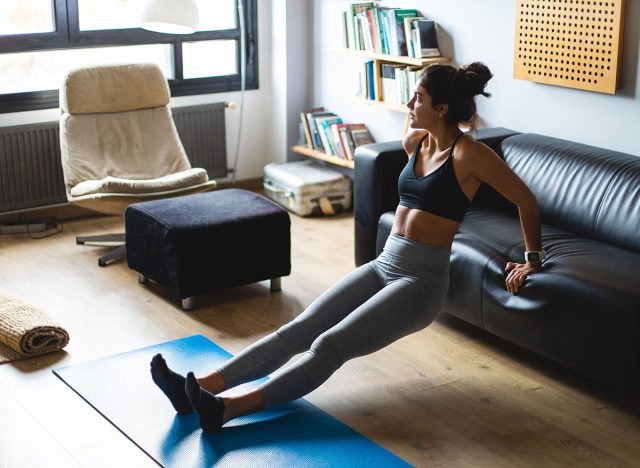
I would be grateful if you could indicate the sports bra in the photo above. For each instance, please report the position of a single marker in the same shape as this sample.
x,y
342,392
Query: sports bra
x,y
438,192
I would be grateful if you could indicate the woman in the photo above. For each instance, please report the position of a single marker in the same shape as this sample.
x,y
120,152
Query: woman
x,y
400,292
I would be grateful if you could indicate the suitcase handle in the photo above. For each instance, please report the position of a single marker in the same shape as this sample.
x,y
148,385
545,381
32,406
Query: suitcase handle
x,y
287,193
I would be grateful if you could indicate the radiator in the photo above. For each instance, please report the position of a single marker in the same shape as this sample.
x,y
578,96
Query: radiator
x,y
203,135
30,170
31,173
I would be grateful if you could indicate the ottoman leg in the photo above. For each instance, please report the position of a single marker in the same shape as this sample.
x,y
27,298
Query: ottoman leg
x,y
276,284
142,279
188,303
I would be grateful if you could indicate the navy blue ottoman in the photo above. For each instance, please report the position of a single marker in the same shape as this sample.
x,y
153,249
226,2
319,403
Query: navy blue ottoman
x,y
199,243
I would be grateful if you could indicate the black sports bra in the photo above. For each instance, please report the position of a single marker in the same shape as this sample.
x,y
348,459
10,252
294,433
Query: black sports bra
x,y
438,193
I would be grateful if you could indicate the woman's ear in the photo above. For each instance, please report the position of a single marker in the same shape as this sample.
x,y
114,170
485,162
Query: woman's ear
x,y
443,109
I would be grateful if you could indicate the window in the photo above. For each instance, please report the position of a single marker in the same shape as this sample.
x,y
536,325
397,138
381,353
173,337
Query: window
x,y
40,40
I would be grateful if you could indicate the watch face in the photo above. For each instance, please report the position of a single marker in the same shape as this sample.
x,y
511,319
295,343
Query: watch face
x,y
533,257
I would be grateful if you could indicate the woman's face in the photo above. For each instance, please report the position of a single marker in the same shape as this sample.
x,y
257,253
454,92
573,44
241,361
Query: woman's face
x,y
421,112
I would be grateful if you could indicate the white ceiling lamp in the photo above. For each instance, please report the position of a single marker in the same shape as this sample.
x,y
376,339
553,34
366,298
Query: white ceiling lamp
x,y
169,16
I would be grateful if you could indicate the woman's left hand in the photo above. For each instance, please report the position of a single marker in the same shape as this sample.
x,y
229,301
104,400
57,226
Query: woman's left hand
x,y
518,272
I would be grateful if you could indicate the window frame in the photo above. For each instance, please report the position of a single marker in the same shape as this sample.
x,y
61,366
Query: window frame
x,y
69,36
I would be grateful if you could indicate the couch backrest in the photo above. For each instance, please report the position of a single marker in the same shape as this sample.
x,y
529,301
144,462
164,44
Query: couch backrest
x,y
587,190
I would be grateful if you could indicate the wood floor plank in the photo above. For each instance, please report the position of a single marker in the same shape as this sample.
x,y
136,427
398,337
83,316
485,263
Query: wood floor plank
x,y
447,396
24,443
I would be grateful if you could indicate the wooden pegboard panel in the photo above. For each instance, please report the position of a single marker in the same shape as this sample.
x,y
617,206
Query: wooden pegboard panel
x,y
574,43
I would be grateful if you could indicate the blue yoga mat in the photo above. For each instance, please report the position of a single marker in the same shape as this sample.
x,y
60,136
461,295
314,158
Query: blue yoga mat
x,y
293,435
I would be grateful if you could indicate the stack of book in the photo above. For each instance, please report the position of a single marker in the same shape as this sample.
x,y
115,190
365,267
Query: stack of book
x,y
324,131
393,31
397,82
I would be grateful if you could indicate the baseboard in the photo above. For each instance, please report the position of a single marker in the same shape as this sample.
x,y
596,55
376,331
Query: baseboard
x,y
254,184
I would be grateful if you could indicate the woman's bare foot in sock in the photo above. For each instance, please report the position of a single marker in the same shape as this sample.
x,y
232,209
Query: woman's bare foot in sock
x,y
171,383
208,407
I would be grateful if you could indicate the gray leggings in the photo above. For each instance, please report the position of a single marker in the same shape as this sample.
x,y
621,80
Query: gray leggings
x,y
400,292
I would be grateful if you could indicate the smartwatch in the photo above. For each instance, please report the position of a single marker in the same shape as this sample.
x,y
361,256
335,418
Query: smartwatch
x,y
535,255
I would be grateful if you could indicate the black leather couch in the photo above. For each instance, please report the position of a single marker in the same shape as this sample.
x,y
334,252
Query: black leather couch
x,y
583,309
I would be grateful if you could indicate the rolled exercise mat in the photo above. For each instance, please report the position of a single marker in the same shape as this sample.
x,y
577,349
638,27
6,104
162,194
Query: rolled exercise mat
x,y
296,434
27,332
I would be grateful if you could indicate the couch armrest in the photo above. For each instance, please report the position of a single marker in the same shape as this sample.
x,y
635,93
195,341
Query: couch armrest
x,y
377,168
492,137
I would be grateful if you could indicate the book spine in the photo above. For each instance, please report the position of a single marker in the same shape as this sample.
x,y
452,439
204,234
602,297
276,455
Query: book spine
x,y
307,131
345,30
408,36
350,145
384,21
356,32
378,30
315,135
335,138
371,80
393,33
372,29
350,33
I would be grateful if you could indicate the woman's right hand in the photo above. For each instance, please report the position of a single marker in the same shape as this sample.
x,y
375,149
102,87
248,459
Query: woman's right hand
x,y
518,273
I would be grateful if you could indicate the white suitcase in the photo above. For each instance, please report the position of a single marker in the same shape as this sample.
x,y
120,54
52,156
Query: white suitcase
x,y
306,188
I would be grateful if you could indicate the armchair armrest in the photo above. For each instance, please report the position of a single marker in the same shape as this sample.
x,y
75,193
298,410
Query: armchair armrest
x,y
376,171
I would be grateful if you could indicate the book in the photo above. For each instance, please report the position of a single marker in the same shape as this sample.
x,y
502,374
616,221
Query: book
x,y
389,84
374,29
426,42
345,30
347,141
353,23
313,128
323,128
371,82
410,35
305,128
387,30
360,135
334,129
305,125
399,16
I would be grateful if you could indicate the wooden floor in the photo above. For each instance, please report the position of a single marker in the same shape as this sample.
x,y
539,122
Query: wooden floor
x,y
448,396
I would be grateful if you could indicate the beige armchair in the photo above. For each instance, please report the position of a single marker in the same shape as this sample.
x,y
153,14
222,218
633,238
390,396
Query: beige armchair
x,y
119,144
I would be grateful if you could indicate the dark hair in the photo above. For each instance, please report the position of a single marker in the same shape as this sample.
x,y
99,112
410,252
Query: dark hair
x,y
456,87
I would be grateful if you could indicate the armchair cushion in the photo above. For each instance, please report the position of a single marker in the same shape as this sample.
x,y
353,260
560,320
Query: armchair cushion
x,y
116,88
183,179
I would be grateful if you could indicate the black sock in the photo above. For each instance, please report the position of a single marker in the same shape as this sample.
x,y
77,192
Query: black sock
x,y
208,407
171,384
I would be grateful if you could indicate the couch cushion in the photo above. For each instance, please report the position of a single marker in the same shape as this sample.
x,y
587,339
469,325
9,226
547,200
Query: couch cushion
x,y
587,190
582,310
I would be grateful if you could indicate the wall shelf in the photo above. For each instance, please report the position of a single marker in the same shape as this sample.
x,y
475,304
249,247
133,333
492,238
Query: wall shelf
x,y
421,62
382,104
322,156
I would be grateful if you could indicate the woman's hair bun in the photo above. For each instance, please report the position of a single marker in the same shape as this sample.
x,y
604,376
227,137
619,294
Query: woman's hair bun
x,y
474,78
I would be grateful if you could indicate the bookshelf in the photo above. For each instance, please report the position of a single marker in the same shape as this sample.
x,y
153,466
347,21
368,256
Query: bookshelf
x,y
322,156
382,104
420,62
378,58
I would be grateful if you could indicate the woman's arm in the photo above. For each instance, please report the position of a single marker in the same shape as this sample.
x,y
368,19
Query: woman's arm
x,y
487,167
411,139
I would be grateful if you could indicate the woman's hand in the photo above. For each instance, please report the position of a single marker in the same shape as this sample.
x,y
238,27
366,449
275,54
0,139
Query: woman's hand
x,y
518,272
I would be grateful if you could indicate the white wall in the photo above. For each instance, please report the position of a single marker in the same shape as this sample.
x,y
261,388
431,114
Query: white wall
x,y
257,147
473,30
